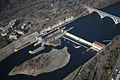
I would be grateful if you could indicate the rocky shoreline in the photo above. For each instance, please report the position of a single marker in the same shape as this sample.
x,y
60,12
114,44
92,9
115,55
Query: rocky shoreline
x,y
45,62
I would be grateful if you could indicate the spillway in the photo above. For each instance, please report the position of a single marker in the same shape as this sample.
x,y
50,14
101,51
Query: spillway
x,y
78,39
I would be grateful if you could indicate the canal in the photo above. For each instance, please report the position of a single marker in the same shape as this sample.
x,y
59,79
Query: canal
x,y
90,27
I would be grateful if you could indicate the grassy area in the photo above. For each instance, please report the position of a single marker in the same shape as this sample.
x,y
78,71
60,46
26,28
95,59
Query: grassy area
x,y
91,75
111,61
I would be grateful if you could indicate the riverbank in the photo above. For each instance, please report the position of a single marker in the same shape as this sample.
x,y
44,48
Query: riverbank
x,y
94,68
43,63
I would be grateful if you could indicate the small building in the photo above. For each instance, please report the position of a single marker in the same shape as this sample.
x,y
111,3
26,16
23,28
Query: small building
x,y
3,33
13,36
12,23
47,18
1,29
97,46
23,26
20,32
97,43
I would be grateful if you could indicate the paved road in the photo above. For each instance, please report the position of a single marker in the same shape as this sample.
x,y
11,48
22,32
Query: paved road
x,y
9,49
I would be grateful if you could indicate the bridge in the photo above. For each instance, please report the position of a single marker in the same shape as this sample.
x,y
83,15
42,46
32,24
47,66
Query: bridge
x,y
102,14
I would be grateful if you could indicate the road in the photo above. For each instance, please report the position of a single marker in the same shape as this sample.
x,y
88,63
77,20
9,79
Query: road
x,y
9,49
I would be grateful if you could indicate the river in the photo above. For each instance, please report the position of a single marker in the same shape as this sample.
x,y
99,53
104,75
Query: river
x,y
90,27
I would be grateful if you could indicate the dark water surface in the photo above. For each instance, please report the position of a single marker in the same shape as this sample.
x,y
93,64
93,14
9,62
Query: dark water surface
x,y
91,28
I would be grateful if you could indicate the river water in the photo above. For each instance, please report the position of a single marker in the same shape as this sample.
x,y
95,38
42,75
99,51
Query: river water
x,y
91,28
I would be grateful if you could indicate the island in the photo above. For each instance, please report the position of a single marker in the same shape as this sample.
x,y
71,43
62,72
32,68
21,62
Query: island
x,y
43,63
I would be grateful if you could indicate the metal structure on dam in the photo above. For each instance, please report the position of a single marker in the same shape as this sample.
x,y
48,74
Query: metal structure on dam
x,y
103,14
